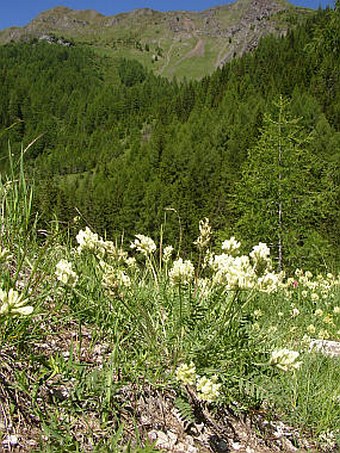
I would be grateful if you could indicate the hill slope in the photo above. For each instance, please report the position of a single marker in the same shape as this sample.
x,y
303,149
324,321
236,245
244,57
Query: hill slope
x,y
175,43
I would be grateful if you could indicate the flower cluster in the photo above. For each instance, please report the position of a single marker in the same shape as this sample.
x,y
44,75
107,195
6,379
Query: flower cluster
x,y
285,359
244,272
114,279
143,244
310,287
13,303
90,241
65,273
233,272
231,246
186,374
260,256
182,272
270,282
207,388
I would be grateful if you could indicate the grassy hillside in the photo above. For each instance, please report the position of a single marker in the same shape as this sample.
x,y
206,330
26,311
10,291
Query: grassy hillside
x,y
181,44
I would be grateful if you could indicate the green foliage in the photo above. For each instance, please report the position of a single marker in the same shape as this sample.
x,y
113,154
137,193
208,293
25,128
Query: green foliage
x,y
131,72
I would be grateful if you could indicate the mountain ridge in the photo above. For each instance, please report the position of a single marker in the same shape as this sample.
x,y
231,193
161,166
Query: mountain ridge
x,y
173,43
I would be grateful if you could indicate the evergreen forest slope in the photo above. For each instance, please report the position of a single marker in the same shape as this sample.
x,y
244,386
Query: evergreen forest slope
x,y
254,146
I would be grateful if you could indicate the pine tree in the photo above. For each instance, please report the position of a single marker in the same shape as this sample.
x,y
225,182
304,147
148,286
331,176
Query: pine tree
x,y
284,195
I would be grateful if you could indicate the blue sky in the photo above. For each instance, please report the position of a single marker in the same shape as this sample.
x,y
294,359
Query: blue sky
x,y
20,12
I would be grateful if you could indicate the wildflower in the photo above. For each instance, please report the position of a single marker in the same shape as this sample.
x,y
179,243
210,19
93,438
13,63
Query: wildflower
x,y
336,310
186,374
328,320
256,327
311,329
298,272
258,313
114,279
13,303
167,252
205,234
318,312
285,359
261,258
88,240
5,255
260,252
304,294
113,251
143,244
208,389
231,246
65,274
269,283
233,272
295,312
315,297
182,272
323,334
131,262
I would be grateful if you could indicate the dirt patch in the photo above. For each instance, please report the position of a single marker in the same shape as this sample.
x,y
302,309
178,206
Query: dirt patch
x,y
197,51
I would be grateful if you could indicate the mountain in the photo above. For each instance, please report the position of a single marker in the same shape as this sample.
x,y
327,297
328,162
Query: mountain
x,y
175,43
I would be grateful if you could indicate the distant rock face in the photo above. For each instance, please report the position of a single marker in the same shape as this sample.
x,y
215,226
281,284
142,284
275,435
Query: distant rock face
x,y
171,38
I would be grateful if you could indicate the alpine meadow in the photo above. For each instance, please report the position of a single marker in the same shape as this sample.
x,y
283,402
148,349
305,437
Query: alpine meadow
x,y
169,231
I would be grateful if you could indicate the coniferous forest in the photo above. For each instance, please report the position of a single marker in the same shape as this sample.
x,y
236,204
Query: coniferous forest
x,y
254,147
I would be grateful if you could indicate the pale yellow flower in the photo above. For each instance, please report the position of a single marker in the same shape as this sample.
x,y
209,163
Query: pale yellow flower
x,y
208,389
65,274
182,272
311,329
167,252
231,246
285,359
186,374
13,303
205,234
143,244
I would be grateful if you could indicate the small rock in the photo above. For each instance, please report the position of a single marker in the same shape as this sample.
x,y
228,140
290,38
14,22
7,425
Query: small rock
x,y
236,446
181,448
172,437
152,435
162,440
10,440
326,347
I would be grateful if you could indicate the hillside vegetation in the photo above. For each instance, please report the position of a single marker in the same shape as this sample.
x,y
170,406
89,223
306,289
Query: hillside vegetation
x,y
169,251
130,346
